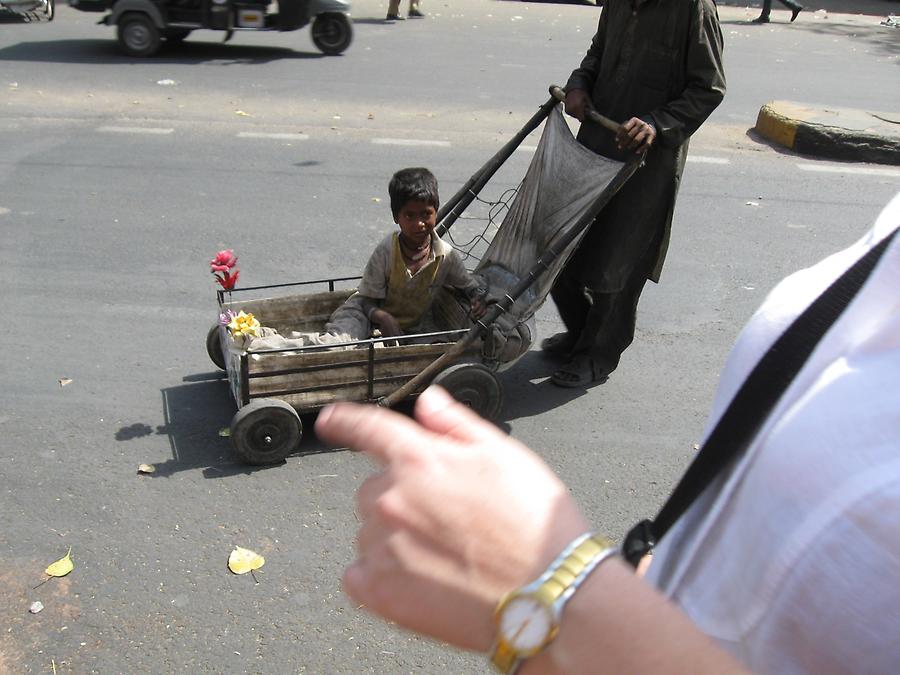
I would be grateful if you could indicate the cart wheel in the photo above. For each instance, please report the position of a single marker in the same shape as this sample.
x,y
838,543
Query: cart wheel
x,y
176,35
332,32
138,35
50,10
214,347
475,386
265,431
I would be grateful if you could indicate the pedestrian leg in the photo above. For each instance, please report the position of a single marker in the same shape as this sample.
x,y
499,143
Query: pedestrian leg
x,y
414,11
393,13
608,331
795,8
570,297
764,15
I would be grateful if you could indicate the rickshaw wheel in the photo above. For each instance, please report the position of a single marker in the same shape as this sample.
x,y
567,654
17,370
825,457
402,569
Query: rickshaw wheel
x,y
50,10
475,386
214,347
332,32
138,35
265,431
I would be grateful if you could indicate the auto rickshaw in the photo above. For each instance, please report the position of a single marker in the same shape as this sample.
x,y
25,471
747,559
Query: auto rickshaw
x,y
31,10
143,25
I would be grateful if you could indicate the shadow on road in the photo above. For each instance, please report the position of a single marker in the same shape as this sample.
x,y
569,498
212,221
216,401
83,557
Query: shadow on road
x,y
105,51
195,413
882,38
525,398
869,7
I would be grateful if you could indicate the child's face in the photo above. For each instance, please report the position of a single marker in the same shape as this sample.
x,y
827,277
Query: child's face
x,y
416,220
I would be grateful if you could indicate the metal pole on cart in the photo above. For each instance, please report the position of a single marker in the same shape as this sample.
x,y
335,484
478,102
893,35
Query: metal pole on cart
x,y
506,303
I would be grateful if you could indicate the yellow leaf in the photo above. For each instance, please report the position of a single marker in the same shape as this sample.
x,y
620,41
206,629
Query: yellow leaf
x,y
244,560
146,468
62,566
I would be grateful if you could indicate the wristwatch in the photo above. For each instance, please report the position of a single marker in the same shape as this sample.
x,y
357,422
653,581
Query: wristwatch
x,y
528,618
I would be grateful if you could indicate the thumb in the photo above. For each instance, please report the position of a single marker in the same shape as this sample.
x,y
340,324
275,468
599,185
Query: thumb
x,y
438,412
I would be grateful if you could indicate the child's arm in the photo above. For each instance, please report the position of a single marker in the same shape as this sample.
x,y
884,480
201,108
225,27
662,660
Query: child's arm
x,y
385,322
474,287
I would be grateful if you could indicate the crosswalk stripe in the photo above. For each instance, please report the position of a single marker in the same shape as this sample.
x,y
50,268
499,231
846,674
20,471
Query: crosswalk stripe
x,y
704,159
135,130
410,141
858,170
274,136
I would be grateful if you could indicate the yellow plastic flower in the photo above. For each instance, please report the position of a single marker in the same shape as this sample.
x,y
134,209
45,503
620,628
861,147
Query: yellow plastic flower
x,y
244,325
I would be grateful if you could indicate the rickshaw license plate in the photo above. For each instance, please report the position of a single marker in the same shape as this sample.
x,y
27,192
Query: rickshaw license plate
x,y
250,18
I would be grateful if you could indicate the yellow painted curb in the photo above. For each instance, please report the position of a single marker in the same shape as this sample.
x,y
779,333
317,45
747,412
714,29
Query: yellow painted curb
x,y
776,127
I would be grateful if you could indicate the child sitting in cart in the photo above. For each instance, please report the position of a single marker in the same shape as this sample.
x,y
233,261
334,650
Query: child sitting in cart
x,y
402,275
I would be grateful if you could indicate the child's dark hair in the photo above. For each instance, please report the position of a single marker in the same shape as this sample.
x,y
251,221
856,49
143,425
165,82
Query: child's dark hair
x,y
413,184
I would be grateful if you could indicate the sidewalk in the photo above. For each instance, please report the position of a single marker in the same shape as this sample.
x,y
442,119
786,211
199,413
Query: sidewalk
x,y
832,133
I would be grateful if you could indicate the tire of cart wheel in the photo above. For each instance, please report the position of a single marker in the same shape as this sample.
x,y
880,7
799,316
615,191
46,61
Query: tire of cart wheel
x,y
265,431
332,33
475,386
138,35
214,347
50,10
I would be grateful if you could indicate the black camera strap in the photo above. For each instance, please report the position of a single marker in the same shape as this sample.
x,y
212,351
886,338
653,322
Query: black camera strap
x,y
754,401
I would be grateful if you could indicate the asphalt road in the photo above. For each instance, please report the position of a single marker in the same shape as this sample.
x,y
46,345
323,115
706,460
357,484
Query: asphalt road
x,y
120,178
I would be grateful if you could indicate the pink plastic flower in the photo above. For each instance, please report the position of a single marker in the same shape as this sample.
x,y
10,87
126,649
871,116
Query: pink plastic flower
x,y
223,261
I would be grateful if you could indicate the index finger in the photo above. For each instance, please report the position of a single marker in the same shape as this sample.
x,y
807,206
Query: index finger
x,y
382,434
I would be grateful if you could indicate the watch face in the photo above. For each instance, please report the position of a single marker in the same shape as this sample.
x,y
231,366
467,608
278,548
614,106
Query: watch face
x,y
525,623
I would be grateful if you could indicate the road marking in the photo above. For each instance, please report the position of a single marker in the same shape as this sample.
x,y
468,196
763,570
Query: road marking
x,y
858,170
410,141
704,159
278,137
135,130
527,148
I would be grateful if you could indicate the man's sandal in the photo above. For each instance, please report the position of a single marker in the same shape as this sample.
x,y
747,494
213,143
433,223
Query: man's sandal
x,y
558,345
579,372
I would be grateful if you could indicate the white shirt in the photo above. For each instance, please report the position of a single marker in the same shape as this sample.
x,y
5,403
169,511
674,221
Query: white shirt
x,y
791,561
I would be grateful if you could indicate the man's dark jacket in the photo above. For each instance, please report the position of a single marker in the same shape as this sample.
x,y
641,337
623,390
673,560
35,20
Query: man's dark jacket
x,y
661,61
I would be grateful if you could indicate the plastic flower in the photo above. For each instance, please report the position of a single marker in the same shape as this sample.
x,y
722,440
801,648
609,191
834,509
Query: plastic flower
x,y
224,270
244,325
226,317
228,279
223,261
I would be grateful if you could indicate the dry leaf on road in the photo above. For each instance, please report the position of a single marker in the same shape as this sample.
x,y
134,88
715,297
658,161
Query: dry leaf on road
x,y
243,560
62,566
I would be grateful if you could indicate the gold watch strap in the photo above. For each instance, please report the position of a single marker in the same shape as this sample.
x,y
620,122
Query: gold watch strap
x,y
557,580
553,589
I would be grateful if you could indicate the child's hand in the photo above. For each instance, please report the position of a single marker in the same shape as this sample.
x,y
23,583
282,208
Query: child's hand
x,y
477,308
387,323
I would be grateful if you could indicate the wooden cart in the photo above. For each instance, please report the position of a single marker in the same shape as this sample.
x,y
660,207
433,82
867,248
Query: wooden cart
x,y
520,263
272,388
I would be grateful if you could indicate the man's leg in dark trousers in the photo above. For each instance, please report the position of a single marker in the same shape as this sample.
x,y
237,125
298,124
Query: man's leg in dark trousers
x,y
609,325
568,295
603,322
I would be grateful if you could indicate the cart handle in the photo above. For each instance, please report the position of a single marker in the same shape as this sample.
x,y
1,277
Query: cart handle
x,y
560,95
